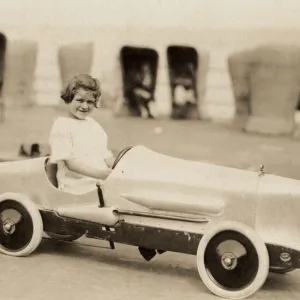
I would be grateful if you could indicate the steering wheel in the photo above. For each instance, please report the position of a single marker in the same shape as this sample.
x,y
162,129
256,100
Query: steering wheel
x,y
120,155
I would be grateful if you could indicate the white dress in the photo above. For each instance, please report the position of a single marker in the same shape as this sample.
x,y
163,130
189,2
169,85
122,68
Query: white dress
x,y
84,140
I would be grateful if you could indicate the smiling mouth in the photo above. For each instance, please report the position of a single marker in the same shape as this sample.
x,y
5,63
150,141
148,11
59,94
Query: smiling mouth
x,y
83,111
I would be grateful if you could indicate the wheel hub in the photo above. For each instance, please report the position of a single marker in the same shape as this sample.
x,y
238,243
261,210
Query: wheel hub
x,y
9,227
229,261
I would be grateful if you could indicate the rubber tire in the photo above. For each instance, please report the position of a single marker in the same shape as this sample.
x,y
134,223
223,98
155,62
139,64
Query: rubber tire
x,y
263,269
63,237
36,220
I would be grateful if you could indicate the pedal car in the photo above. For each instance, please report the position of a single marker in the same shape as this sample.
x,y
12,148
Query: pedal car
x,y
239,224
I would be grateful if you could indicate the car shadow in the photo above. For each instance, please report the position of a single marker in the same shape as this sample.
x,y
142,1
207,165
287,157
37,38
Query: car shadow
x,y
167,264
118,258
281,283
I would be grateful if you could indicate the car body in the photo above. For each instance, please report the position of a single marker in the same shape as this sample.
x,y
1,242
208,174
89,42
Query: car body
x,y
155,201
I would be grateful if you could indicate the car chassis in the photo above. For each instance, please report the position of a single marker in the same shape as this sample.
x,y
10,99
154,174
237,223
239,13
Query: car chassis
x,y
281,258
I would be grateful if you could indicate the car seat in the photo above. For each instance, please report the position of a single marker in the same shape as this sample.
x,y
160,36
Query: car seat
x,y
51,171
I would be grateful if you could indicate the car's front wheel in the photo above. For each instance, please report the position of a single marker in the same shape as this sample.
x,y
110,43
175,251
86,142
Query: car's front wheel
x,y
232,260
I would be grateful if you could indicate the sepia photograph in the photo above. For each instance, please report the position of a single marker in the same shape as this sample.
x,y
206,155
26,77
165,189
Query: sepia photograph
x,y
154,140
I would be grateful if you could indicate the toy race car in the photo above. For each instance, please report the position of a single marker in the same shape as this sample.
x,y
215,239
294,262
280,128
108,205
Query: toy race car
x,y
239,224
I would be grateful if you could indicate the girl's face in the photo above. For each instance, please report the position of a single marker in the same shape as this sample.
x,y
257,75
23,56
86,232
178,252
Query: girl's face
x,y
82,105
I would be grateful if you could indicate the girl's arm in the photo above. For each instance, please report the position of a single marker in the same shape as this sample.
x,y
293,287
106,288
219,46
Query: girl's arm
x,y
79,167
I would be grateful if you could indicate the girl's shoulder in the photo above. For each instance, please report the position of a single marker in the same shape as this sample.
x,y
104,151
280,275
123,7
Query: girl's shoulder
x,y
96,125
93,122
62,124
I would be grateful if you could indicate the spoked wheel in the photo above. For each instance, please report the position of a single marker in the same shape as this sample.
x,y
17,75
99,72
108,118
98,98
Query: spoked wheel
x,y
21,226
281,270
64,237
232,260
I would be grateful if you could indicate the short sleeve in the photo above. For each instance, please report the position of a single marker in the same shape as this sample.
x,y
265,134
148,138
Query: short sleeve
x,y
60,141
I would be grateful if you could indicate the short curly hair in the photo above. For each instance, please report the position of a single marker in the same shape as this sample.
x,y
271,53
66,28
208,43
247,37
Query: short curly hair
x,y
83,81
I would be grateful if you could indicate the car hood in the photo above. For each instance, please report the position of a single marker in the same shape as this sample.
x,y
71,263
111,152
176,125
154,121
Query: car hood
x,y
277,213
143,164
150,182
147,181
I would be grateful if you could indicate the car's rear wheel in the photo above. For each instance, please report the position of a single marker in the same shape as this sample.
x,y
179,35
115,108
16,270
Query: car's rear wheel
x,y
64,237
232,260
21,226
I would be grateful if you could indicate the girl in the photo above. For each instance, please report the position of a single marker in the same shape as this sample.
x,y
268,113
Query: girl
x,y
78,143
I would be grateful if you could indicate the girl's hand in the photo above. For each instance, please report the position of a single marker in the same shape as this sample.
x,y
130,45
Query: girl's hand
x,y
110,161
107,172
103,174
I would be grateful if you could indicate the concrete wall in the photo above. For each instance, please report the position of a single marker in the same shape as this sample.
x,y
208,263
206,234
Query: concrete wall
x,y
110,26
218,103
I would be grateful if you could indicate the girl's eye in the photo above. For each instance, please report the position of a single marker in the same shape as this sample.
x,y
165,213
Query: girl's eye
x,y
80,100
91,103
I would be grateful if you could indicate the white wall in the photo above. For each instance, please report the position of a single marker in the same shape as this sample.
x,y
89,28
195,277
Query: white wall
x,y
217,26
